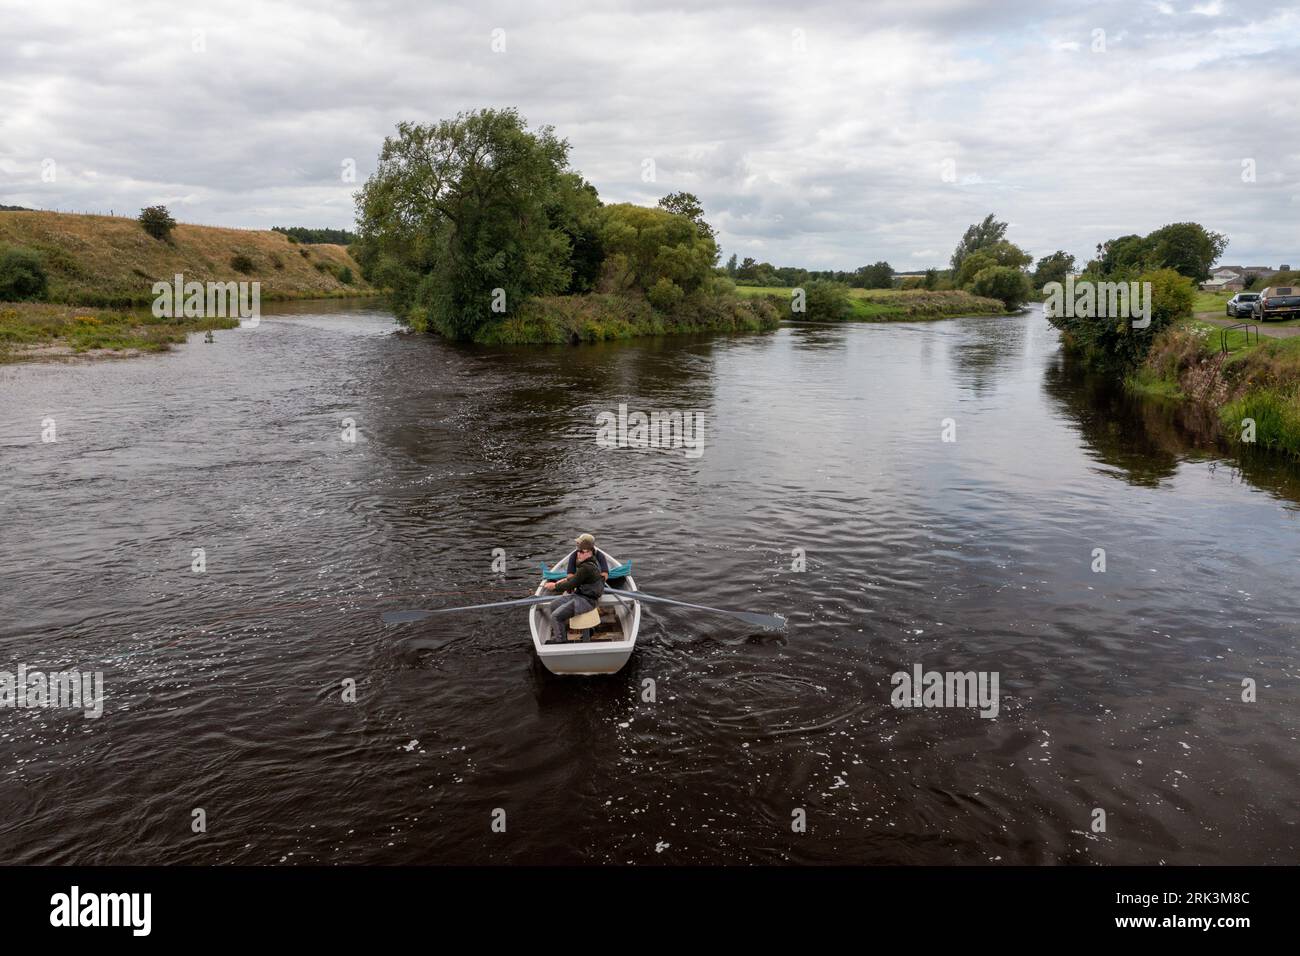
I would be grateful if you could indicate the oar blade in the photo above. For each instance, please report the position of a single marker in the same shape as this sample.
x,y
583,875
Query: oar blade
x,y
769,622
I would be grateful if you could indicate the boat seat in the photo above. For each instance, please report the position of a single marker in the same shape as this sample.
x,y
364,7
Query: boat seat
x,y
580,622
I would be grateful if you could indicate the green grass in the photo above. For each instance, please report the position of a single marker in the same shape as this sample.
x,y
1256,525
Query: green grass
x,y
111,261
30,330
896,305
1150,384
1211,302
1256,381
1276,414
1237,339
1212,305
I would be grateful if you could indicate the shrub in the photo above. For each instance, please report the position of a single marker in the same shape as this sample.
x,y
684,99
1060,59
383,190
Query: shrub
x,y
645,245
157,221
1113,341
22,275
276,261
241,263
826,301
345,275
1276,414
1001,282
665,294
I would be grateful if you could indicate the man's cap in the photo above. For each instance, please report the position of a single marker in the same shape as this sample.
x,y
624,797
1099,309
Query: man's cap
x,y
585,542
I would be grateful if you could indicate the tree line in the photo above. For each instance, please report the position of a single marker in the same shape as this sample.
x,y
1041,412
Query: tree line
x,y
466,219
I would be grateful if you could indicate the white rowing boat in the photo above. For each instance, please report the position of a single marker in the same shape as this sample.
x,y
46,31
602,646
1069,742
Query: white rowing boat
x,y
611,643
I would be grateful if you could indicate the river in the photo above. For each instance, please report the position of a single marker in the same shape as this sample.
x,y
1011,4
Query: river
x,y
1120,690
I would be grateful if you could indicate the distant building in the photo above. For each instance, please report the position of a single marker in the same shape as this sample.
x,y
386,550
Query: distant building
x,y
1225,279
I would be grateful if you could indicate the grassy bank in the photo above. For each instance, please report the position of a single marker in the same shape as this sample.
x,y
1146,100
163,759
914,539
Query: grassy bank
x,y
42,331
597,317
112,261
1214,305
1257,382
895,305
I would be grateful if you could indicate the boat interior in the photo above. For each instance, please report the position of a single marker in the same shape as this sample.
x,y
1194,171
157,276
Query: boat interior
x,y
610,621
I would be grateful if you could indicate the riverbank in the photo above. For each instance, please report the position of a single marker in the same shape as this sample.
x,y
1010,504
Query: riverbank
x,y
41,331
110,261
1253,389
895,305
600,317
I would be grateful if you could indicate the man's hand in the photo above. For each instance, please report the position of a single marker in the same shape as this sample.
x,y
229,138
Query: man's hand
x,y
549,585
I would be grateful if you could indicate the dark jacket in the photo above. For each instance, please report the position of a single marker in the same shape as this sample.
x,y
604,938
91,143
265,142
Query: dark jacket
x,y
585,580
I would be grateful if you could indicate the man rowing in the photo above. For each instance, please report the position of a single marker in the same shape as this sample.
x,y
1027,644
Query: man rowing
x,y
584,584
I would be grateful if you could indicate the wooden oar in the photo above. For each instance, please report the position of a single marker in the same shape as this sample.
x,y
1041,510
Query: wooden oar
x,y
770,622
406,617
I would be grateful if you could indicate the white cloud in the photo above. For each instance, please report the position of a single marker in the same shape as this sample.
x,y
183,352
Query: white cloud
x,y
828,154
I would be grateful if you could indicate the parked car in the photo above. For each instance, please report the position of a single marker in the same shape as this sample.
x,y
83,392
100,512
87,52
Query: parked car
x,y
1242,304
1278,302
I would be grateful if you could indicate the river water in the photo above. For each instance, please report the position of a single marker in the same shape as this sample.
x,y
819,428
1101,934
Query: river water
x,y
1120,691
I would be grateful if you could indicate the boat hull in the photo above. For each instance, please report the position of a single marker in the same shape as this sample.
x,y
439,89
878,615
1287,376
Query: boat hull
x,y
596,657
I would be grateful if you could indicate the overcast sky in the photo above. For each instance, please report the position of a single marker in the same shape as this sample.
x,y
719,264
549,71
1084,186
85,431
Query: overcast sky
x,y
827,135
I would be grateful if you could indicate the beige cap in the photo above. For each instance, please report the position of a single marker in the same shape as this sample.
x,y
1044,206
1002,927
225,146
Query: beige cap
x,y
585,542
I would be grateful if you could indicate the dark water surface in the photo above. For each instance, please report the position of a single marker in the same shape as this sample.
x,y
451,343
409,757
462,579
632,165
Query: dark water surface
x,y
1120,690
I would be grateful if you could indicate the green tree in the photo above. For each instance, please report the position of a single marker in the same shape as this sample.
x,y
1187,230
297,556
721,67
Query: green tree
x,y
1125,256
1053,268
976,237
931,280
1002,282
644,245
731,266
1188,248
688,205
1000,253
879,275
157,221
1112,342
460,211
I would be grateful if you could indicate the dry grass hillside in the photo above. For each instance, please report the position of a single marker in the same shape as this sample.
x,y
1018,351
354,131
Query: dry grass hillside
x,y
110,260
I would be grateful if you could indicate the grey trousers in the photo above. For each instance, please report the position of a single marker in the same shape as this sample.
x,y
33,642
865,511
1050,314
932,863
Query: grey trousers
x,y
563,609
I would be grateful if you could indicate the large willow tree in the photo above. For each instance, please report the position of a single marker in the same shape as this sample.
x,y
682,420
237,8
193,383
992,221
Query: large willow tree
x,y
463,208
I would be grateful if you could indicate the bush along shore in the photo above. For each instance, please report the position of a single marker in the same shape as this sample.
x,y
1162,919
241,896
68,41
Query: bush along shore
x,y
1252,389
522,250
84,285
826,301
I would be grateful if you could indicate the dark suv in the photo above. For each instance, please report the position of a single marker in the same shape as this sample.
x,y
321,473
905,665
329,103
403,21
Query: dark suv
x,y
1242,304
1277,302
